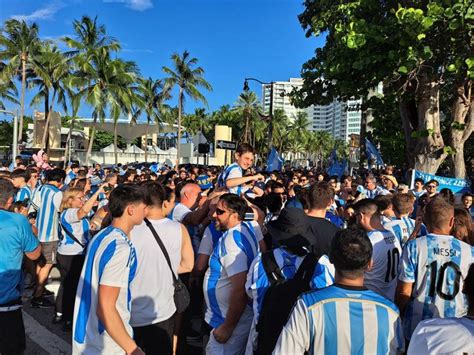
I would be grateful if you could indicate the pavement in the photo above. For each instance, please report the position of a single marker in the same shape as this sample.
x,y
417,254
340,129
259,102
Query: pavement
x,y
43,337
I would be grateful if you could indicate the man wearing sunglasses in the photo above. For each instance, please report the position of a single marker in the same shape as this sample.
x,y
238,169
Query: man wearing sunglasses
x,y
227,311
431,188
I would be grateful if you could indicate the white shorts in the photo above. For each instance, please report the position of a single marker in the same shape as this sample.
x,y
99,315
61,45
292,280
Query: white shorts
x,y
237,342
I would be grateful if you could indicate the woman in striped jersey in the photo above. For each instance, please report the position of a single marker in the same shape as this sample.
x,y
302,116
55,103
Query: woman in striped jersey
x,y
75,235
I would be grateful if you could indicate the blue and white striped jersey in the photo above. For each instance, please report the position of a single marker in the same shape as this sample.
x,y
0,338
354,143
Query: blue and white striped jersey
x,y
80,228
210,238
48,200
111,261
258,283
366,193
437,266
212,235
233,254
23,194
382,278
342,320
69,177
232,171
402,228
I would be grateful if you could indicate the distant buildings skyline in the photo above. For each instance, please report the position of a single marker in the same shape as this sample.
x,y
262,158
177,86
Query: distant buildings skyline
x,y
339,118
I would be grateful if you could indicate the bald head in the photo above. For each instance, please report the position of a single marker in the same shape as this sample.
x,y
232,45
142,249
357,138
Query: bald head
x,y
190,194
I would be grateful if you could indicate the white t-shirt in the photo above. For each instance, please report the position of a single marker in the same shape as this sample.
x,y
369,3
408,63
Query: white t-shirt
x,y
382,278
178,214
80,228
152,289
111,261
443,336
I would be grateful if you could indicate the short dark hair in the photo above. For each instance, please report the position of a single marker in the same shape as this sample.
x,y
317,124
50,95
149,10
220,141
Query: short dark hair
x,y
433,181
383,201
235,203
320,195
154,193
403,203
448,195
367,206
420,180
57,175
123,196
438,213
20,173
351,251
245,148
7,190
74,166
466,194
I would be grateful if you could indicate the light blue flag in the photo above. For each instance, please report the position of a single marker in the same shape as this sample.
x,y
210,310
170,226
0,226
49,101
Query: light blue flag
x,y
373,153
275,161
457,186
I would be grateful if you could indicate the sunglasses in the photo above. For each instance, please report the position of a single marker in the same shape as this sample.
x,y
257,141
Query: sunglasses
x,y
431,186
220,212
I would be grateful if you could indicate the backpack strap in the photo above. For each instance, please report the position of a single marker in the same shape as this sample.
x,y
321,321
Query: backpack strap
x,y
306,269
271,268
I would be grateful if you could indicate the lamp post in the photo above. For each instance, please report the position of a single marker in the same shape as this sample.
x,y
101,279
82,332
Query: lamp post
x,y
270,113
15,132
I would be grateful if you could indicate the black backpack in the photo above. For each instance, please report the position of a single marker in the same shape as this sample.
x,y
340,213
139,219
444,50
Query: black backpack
x,y
280,299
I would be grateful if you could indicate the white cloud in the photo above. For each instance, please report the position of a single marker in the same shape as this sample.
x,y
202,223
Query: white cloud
x,y
45,13
139,5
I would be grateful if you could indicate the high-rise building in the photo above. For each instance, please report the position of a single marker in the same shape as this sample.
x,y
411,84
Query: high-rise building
x,y
340,119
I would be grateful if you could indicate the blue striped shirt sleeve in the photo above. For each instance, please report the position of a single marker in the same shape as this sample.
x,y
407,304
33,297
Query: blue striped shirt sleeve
x,y
408,263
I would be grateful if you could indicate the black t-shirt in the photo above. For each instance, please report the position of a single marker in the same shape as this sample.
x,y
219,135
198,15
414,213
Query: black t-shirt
x,y
322,232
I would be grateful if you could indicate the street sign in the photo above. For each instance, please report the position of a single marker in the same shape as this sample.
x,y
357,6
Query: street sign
x,y
226,145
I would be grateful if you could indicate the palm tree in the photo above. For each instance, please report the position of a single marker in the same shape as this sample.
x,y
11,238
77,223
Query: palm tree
x,y
188,78
75,102
248,107
51,68
91,50
196,122
19,42
8,90
322,144
280,126
153,95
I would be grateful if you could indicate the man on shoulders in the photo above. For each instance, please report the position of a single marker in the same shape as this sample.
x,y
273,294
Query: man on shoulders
x,y
346,317
16,239
102,307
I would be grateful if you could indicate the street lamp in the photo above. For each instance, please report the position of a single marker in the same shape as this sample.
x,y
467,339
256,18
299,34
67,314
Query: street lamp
x,y
270,113
15,131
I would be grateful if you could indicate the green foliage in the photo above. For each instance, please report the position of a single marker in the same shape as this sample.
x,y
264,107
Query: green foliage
x,y
103,139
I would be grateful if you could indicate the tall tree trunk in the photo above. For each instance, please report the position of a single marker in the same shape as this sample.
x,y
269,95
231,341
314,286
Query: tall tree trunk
x,y
115,142
246,131
45,139
180,112
462,127
422,117
146,138
68,141
91,140
22,99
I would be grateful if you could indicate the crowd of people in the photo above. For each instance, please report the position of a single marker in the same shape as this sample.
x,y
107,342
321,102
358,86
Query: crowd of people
x,y
284,262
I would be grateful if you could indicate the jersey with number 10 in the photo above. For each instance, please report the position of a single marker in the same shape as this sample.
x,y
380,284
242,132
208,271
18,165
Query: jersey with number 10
x,y
437,265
